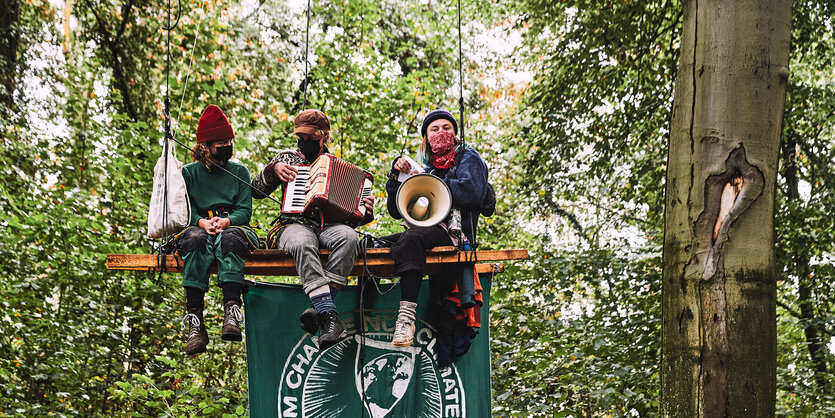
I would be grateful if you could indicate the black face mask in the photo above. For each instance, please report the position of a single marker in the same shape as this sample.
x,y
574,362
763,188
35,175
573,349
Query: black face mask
x,y
223,154
310,149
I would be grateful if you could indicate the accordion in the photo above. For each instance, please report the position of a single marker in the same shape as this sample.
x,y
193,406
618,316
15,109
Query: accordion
x,y
332,186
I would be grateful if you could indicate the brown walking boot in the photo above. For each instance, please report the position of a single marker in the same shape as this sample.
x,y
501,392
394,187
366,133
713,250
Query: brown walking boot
x,y
197,337
232,318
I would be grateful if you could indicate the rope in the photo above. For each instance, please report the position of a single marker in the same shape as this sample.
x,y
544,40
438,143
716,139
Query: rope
x,y
366,276
474,244
406,130
362,340
179,13
242,181
460,77
163,250
190,62
306,48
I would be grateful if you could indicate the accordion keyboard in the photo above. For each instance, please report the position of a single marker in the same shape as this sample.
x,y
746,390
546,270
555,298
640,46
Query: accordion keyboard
x,y
293,201
366,191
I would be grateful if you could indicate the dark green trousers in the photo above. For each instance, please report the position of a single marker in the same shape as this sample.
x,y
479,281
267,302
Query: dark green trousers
x,y
228,249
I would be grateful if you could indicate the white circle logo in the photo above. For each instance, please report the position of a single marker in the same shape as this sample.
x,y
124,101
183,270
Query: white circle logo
x,y
382,380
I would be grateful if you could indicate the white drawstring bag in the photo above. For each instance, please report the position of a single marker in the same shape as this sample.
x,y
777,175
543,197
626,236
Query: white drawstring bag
x,y
179,209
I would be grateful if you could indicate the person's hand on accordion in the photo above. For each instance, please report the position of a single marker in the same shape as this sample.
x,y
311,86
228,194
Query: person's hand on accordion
x,y
368,201
285,172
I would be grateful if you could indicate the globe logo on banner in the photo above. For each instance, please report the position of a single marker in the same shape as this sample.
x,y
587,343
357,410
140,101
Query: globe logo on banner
x,y
389,382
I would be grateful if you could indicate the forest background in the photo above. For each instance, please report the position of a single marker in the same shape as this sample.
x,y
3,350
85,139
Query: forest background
x,y
568,102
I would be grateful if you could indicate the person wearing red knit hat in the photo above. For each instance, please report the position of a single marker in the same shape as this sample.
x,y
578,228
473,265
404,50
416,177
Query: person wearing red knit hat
x,y
219,229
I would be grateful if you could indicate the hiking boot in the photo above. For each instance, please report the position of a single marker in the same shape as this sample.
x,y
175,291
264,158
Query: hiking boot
x,y
232,318
310,320
197,338
404,333
331,330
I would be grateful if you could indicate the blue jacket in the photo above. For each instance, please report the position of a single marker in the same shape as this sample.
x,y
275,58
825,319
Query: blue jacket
x,y
467,181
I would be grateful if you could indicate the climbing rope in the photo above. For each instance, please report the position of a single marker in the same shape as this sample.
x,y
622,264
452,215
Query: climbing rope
x,y
306,48
162,249
460,77
473,245
366,276
190,62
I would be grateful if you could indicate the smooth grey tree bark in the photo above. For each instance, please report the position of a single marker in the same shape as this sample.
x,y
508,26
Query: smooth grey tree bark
x,y
719,343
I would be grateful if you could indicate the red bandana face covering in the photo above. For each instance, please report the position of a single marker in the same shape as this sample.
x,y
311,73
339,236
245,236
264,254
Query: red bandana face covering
x,y
442,144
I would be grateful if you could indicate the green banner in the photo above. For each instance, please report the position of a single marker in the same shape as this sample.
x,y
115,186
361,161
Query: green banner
x,y
290,377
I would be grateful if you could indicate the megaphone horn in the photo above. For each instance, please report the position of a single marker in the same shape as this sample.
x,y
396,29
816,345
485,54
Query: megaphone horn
x,y
424,200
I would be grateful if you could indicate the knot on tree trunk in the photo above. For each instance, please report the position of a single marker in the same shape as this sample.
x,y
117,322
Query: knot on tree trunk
x,y
727,195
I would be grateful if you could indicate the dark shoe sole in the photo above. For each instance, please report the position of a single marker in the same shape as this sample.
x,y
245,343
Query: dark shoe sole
x,y
231,336
324,344
310,321
194,353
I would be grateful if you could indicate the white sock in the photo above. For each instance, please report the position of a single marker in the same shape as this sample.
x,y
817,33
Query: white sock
x,y
407,311
321,290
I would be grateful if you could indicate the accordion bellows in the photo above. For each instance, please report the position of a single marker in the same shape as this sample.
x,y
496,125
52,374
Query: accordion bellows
x,y
336,188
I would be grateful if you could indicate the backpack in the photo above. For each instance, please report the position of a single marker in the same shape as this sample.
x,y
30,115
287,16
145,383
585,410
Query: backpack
x,y
488,205
179,208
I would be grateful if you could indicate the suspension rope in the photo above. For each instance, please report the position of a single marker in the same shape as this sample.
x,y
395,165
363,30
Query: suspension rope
x,y
406,129
306,48
473,245
190,62
460,77
242,181
167,127
363,279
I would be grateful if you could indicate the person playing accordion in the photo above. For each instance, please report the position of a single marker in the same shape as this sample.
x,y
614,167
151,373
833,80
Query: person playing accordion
x,y
303,235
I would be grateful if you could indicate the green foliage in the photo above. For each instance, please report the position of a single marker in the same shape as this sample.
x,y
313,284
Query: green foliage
x,y
577,157
804,219
77,165
577,334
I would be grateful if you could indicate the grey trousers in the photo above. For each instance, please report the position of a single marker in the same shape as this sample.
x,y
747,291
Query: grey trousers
x,y
304,242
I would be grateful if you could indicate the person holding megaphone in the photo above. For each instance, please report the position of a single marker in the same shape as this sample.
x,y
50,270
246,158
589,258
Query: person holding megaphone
x,y
455,182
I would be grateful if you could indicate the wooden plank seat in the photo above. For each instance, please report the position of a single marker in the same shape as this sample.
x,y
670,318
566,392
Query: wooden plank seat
x,y
279,263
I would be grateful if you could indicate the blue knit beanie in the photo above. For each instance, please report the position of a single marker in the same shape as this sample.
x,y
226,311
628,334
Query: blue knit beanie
x,y
435,115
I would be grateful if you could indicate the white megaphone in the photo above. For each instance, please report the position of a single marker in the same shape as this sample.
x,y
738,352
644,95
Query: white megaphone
x,y
424,200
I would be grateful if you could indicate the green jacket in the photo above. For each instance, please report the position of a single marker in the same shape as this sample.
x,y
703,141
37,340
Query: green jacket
x,y
209,190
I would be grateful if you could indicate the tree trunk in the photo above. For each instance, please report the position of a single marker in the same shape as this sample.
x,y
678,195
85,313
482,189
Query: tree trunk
x,y
719,344
9,42
800,265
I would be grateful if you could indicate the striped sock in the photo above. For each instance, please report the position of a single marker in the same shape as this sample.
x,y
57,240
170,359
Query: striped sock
x,y
334,292
322,300
407,311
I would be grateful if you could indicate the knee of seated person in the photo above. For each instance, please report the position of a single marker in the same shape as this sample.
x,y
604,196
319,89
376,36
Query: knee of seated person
x,y
409,238
234,241
194,239
402,248
298,245
349,237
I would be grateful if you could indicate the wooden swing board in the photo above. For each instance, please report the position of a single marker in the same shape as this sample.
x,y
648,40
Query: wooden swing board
x,y
279,263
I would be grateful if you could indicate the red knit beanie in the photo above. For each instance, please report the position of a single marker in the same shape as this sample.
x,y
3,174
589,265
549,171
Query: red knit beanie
x,y
213,125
